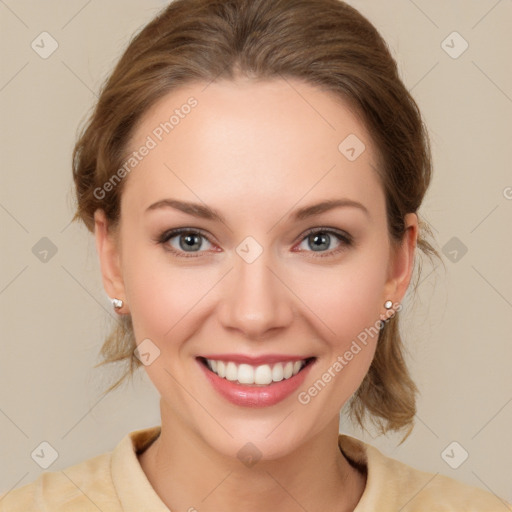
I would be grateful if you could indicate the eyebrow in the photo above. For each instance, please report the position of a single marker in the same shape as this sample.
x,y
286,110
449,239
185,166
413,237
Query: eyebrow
x,y
205,212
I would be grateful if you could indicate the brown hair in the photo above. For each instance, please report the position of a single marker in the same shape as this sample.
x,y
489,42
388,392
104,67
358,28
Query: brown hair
x,y
326,43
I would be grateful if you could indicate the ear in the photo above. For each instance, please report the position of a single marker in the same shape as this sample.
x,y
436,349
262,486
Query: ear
x,y
401,262
107,247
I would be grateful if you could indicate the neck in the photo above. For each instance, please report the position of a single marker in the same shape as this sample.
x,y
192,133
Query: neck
x,y
189,475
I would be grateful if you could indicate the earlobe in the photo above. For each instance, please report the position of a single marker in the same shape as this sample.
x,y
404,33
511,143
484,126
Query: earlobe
x,y
109,258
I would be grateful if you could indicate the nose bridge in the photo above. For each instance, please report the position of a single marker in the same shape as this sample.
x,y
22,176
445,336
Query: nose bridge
x,y
256,300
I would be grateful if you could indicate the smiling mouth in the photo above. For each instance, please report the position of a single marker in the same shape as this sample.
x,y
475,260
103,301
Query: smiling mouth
x,y
260,375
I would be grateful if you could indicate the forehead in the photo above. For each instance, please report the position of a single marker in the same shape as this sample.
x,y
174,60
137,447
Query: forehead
x,y
264,140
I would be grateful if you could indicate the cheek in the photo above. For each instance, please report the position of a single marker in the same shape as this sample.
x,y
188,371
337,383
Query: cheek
x,y
347,298
159,293
348,301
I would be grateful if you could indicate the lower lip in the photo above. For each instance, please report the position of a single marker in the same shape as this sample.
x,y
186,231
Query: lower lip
x,y
255,396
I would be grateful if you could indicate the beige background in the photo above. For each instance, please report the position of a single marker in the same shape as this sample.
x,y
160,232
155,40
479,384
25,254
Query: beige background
x,y
55,314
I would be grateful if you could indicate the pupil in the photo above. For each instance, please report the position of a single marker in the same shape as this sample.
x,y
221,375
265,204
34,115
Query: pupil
x,y
323,240
190,241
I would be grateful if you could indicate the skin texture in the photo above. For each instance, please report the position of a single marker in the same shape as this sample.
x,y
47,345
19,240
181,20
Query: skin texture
x,y
255,152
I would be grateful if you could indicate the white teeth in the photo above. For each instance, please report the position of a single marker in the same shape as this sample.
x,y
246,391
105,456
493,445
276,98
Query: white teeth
x,y
245,374
288,370
231,371
260,375
221,368
277,373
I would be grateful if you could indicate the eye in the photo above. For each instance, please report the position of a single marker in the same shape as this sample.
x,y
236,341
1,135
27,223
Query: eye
x,y
187,241
320,240
184,242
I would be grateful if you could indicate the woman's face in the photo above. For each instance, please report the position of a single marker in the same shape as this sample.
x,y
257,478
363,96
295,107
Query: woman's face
x,y
269,279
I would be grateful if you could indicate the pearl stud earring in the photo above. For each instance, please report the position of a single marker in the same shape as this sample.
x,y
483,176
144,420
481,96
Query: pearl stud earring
x,y
117,303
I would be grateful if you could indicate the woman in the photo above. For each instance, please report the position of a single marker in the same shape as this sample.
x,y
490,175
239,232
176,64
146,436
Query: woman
x,y
252,174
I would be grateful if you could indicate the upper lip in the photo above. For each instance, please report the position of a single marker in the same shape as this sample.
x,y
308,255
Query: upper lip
x,y
256,360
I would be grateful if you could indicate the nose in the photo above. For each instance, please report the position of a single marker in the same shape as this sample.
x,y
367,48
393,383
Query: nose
x,y
255,298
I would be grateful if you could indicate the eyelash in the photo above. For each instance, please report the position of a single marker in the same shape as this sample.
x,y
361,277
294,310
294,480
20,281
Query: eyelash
x,y
345,239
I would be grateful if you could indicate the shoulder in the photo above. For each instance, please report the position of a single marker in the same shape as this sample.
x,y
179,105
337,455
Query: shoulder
x,y
83,487
112,481
392,485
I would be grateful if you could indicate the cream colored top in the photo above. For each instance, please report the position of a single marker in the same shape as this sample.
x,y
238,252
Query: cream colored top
x,y
115,482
